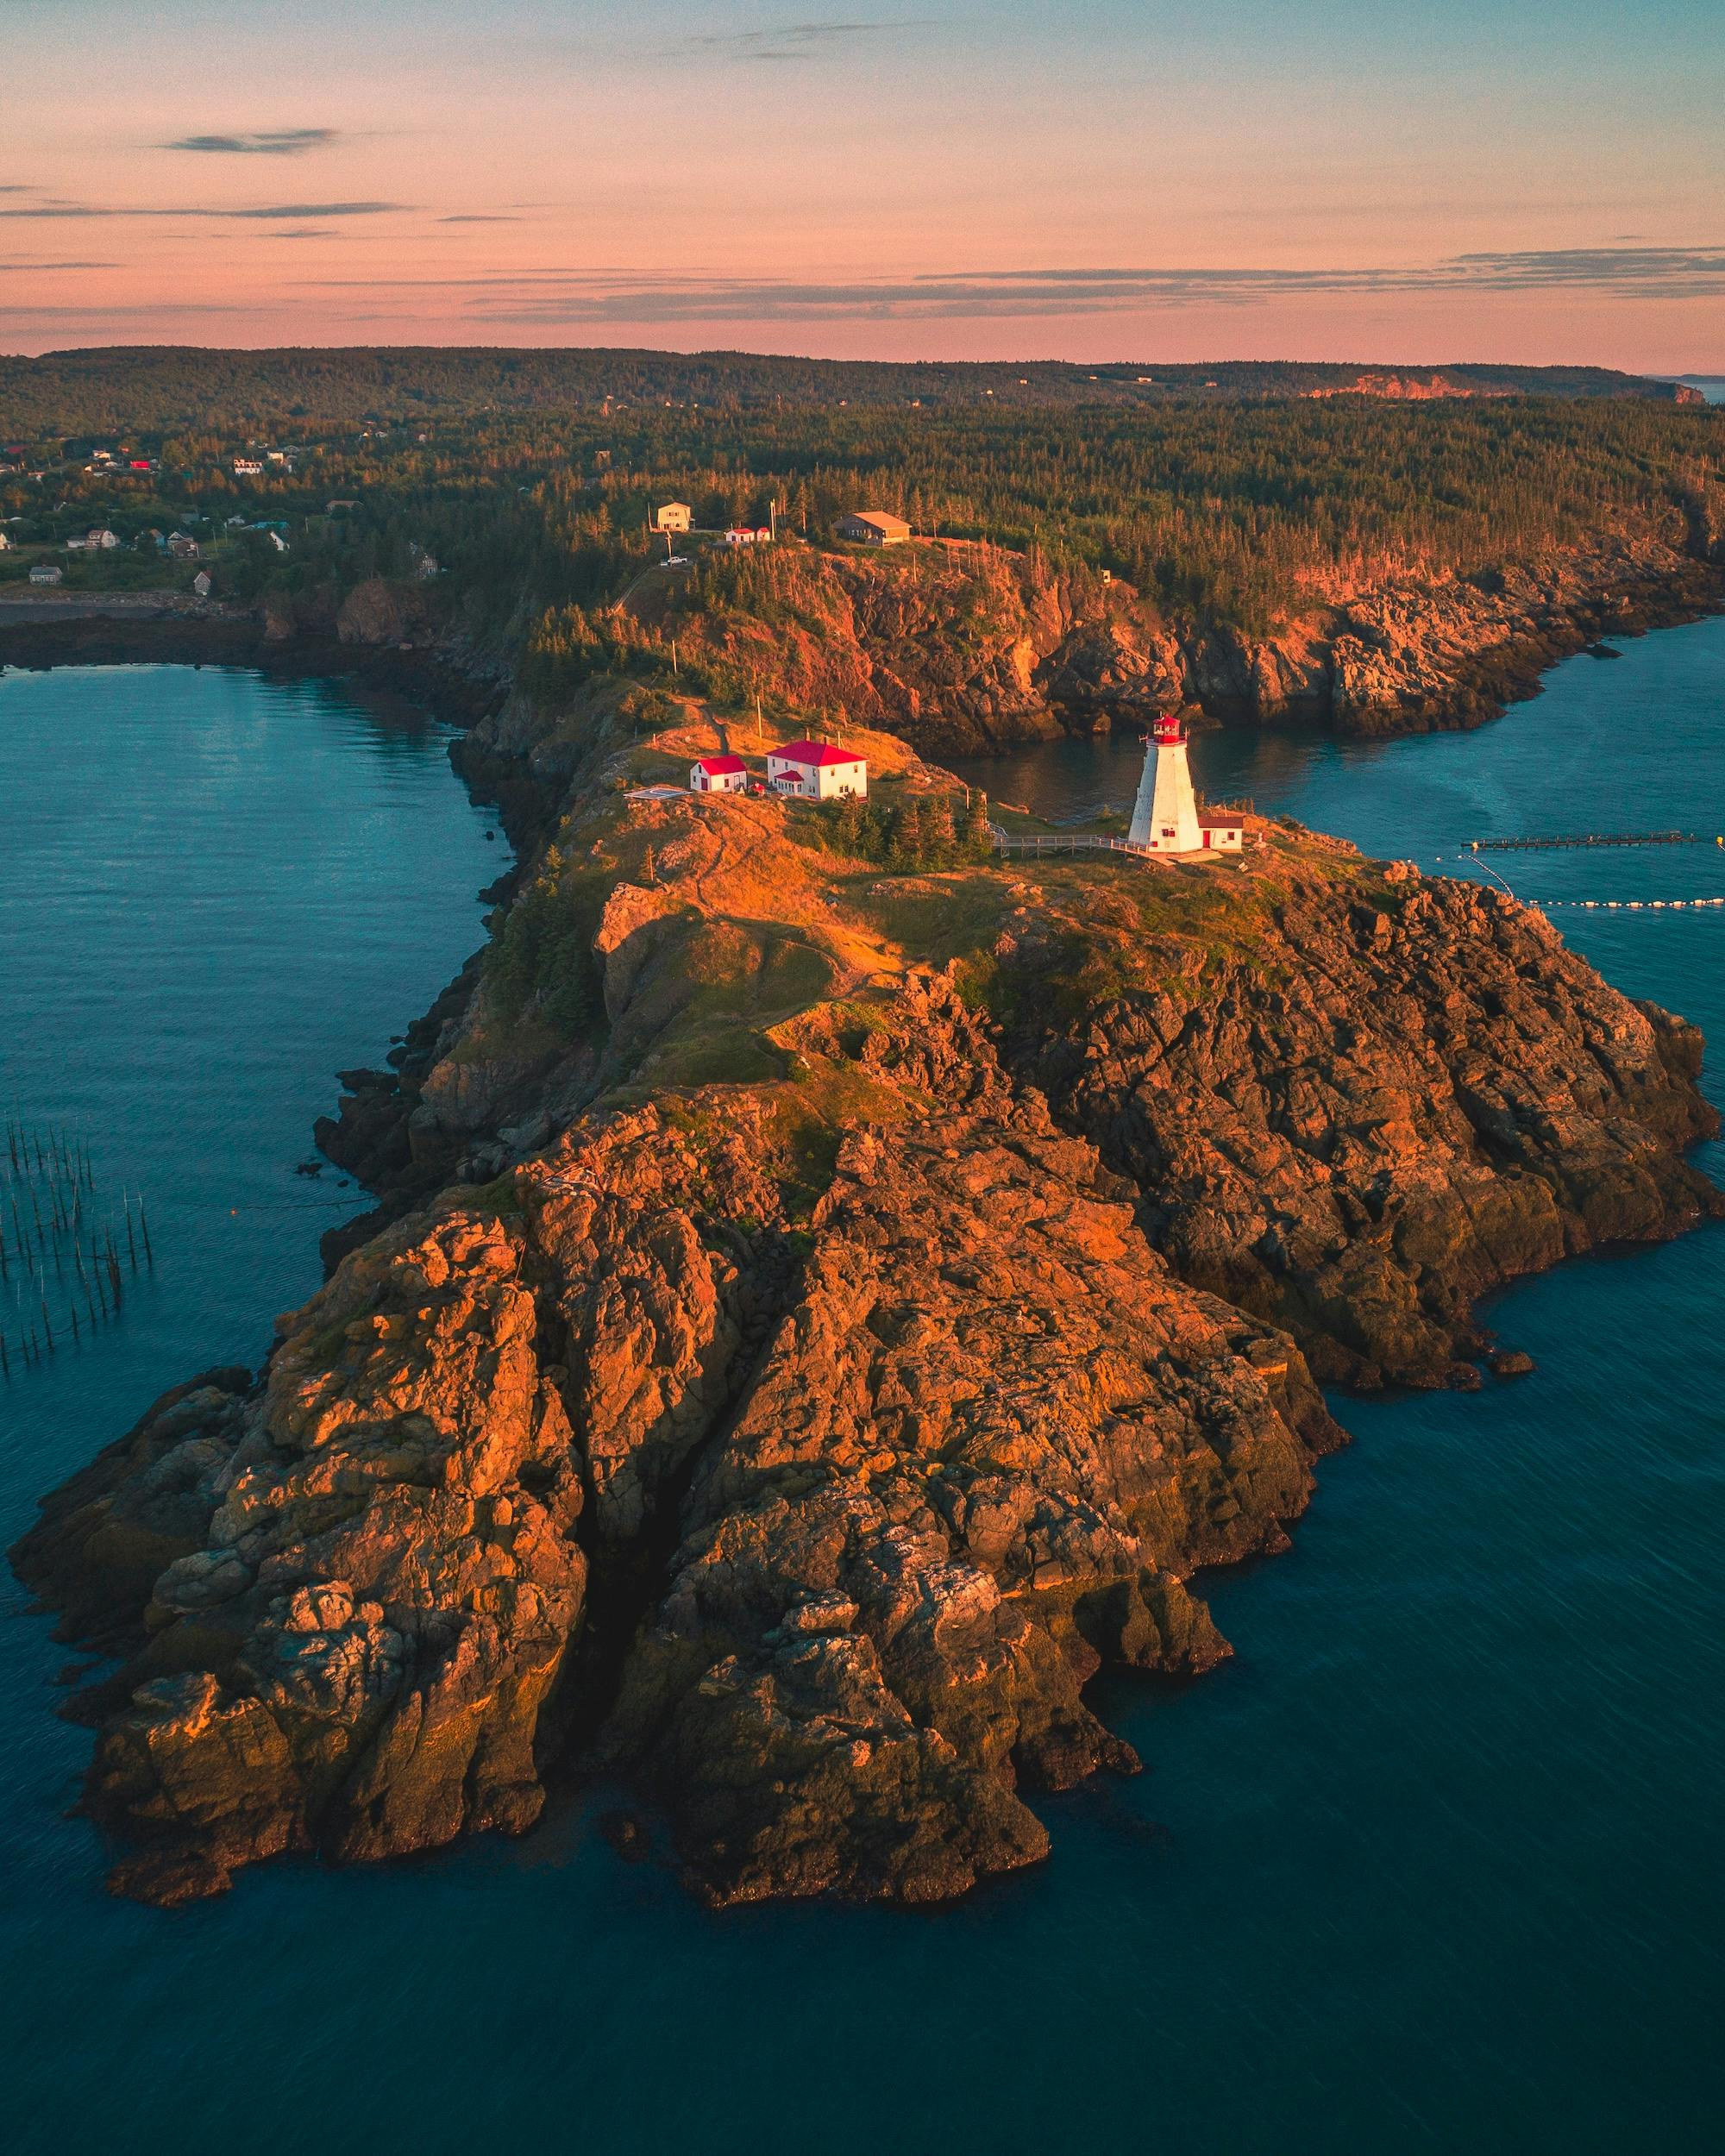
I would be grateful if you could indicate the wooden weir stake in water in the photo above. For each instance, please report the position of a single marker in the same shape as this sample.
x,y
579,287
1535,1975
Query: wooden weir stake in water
x,y
60,1248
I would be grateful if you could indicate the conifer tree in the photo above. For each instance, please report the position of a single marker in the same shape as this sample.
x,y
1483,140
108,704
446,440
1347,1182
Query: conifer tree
x,y
847,834
978,842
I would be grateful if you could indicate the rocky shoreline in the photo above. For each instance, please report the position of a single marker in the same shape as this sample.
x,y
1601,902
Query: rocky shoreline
x,y
787,1382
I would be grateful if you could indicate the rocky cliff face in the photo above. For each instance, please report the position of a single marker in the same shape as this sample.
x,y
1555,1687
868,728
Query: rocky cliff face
x,y
1354,1120
964,648
864,1357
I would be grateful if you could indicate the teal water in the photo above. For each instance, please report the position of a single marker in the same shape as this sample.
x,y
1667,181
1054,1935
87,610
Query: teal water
x,y
1432,1865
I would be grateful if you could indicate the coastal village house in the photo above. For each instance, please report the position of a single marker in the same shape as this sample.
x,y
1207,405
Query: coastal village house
x,y
874,528
719,775
200,584
673,517
182,547
816,771
44,574
747,536
247,468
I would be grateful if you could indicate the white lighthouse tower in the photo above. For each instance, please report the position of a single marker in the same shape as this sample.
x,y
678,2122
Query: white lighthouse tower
x,y
1166,814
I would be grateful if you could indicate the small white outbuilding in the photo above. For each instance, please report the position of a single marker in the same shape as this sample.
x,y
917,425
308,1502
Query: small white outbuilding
x,y
719,775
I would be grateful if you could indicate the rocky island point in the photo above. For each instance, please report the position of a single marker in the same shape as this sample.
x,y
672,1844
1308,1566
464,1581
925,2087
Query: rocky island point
x,y
823,1310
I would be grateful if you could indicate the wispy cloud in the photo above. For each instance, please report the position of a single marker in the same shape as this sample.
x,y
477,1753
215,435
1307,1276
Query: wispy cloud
x,y
480,217
278,212
80,318
790,40
18,269
268,142
1652,273
546,298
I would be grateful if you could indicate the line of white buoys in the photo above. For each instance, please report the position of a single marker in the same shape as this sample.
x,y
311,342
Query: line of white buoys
x,y
1628,905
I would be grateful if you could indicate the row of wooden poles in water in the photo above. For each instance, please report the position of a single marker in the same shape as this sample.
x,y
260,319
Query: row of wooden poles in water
x,y
65,1260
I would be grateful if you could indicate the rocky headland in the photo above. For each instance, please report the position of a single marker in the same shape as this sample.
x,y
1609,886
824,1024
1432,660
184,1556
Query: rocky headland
x,y
820,1316
964,648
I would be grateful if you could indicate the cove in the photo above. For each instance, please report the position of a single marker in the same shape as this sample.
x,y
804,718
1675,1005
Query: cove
x,y
1427,1867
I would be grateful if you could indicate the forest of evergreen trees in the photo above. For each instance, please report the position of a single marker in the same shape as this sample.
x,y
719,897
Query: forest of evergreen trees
x,y
531,477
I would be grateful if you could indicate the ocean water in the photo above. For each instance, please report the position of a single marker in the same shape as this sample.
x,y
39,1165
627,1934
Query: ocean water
x,y
1432,1864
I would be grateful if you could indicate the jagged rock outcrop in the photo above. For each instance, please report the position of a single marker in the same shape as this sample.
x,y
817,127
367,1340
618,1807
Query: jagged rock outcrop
x,y
381,612
990,1437
374,1584
1377,1112
953,1447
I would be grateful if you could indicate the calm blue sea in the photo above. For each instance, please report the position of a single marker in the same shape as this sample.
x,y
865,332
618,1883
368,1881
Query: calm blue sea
x,y
1431,1866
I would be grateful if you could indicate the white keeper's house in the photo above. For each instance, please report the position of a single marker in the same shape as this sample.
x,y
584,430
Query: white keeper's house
x,y
816,771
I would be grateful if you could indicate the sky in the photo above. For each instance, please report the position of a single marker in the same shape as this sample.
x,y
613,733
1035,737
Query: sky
x,y
1083,179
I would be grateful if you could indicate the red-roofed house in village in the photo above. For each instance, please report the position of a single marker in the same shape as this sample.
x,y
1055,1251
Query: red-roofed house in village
x,y
816,771
719,775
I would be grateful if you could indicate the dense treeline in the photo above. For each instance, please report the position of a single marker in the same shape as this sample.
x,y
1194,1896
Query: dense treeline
x,y
530,478
164,389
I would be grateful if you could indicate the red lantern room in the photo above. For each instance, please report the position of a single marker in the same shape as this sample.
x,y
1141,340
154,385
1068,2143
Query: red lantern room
x,y
1169,732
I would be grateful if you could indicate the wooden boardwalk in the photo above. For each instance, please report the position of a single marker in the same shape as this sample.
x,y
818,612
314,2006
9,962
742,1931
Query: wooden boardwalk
x,y
1068,843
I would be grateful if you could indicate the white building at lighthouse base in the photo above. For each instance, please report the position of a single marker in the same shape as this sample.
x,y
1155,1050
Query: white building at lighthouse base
x,y
1166,818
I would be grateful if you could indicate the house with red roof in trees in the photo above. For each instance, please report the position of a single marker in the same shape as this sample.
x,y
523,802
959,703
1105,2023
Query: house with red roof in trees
x,y
719,775
816,771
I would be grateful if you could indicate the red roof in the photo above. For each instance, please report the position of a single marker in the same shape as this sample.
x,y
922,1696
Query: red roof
x,y
721,766
816,753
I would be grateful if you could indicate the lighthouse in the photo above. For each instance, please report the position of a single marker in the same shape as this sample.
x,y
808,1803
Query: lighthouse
x,y
1165,815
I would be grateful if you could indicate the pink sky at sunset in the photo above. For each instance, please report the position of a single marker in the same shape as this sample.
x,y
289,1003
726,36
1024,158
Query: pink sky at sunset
x,y
1082,179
